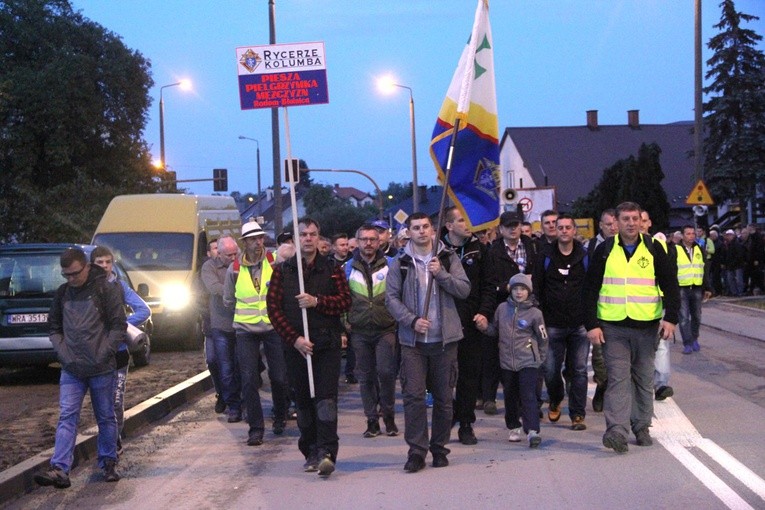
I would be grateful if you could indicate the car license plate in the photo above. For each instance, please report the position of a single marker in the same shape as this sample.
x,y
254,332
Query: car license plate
x,y
27,318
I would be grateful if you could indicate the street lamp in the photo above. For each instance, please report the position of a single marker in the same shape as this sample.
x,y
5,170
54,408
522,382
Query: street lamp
x,y
185,85
387,85
258,159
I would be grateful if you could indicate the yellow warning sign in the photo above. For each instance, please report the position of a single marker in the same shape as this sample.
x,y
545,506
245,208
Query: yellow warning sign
x,y
699,195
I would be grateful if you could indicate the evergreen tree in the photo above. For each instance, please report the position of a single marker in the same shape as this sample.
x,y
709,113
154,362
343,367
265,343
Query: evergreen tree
x,y
735,121
73,106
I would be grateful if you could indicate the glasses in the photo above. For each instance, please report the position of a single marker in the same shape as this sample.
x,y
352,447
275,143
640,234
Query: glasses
x,y
72,274
369,239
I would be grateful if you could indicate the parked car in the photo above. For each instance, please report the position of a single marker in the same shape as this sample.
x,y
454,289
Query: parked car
x,y
29,277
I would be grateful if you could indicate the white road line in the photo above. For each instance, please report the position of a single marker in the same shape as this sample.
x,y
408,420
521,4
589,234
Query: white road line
x,y
676,433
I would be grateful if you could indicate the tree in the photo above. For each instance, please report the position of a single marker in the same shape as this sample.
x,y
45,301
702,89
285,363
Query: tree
x,y
73,106
734,148
333,214
635,179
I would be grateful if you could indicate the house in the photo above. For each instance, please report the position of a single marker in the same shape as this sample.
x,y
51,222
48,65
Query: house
x,y
355,197
572,158
264,209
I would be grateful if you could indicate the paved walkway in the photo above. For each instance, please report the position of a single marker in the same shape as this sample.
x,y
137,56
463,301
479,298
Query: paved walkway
x,y
725,314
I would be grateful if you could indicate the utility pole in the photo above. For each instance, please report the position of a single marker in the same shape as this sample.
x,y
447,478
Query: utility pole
x,y
276,156
698,117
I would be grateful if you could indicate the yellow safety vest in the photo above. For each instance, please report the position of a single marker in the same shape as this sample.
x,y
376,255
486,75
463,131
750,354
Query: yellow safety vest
x,y
691,272
251,301
629,287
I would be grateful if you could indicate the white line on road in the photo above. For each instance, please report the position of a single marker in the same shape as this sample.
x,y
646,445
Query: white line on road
x,y
676,433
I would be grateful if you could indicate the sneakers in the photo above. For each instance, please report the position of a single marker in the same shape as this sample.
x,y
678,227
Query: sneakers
x,y
466,435
687,349
311,464
55,477
255,439
490,407
440,460
553,414
373,428
643,437
515,435
414,463
664,392
695,346
220,405
234,416
615,441
597,399
534,439
390,426
326,465
279,426
577,423
110,471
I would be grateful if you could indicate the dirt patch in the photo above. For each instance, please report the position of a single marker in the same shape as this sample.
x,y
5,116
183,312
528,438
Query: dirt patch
x,y
29,400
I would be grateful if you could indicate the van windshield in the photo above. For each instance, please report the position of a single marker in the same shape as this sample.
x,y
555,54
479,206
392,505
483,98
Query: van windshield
x,y
150,251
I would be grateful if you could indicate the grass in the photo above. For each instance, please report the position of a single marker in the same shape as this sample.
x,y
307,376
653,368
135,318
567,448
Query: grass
x,y
753,303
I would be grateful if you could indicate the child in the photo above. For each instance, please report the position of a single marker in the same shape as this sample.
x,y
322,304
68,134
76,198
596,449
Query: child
x,y
522,349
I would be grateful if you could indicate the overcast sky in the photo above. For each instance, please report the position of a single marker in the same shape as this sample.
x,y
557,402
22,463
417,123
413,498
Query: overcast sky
x,y
554,60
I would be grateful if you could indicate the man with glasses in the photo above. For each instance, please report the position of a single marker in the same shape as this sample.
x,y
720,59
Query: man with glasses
x,y
373,332
221,326
87,325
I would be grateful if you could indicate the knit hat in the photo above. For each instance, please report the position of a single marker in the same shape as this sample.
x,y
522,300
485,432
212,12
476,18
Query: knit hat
x,y
521,279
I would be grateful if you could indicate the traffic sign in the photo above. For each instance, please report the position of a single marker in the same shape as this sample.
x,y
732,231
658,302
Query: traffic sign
x,y
699,195
400,216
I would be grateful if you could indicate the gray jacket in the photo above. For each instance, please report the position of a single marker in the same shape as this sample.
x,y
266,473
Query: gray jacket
x,y
522,334
213,277
403,297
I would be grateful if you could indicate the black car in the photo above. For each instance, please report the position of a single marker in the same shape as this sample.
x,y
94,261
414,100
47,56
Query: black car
x,y
29,277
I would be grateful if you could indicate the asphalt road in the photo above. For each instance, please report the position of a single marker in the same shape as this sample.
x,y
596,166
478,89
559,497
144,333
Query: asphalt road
x,y
709,452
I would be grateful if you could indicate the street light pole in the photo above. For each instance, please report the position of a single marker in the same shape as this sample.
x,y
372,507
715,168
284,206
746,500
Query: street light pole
x,y
260,207
162,162
374,183
386,84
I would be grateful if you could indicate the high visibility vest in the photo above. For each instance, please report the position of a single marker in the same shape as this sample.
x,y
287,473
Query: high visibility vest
x,y
251,301
629,287
690,272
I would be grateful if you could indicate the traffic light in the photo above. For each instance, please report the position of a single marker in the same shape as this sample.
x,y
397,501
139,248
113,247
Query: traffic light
x,y
295,170
220,179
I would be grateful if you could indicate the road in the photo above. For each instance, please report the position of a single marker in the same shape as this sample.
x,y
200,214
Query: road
x,y
709,452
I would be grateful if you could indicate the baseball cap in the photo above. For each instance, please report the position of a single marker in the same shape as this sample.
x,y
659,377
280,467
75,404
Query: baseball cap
x,y
284,237
509,217
730,231
251,229
381,224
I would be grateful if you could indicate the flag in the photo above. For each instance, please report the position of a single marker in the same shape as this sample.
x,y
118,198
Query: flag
x,y
474,179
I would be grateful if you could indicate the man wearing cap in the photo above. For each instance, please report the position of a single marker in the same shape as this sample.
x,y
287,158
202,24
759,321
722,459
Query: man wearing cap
x,y
324,298
222,333
247,281
623,312
480,303
388,248
428,337
511,253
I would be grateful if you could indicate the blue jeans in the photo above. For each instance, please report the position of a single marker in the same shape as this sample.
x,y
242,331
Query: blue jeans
x,y
248,355
224,343
690,313
212,364
734,279
376,371
71,394
568,350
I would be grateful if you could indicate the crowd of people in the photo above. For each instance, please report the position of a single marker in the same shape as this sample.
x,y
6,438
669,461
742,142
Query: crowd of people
x,y
449,314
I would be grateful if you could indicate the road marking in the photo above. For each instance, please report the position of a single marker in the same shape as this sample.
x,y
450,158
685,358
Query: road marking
x,y
677,434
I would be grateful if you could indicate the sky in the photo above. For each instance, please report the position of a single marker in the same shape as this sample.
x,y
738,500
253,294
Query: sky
x,y
554,60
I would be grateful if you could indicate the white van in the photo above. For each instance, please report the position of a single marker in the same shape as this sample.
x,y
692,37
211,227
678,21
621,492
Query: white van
x,y
161,240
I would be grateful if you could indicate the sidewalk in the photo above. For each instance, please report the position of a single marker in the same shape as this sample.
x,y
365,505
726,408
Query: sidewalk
x,y
725,314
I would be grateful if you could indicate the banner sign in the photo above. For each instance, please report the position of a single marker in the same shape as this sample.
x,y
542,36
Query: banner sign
x,y
282,75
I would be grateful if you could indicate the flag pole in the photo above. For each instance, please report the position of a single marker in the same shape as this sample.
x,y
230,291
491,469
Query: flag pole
x,y
298,254
439,222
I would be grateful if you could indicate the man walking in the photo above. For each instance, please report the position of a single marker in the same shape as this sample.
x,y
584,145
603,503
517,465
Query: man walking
x,y
558,282
245,288
479,304
623,312
373,332
428,337
325,298
694,288
87,325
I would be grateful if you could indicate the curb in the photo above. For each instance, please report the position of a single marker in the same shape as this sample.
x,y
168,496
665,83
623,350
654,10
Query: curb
x,y
19,479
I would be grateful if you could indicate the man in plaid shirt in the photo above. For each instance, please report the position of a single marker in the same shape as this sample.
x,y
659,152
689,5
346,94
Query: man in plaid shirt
x,y
325,297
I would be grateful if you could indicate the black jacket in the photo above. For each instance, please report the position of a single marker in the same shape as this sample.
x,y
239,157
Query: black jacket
x,y
558,284
502,267
482,299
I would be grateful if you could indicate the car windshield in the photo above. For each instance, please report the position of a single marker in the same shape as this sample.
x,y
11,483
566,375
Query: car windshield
x,y
150,251
29,274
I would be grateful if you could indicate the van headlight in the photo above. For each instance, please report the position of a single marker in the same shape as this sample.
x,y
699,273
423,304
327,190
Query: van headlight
x,y
176,297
